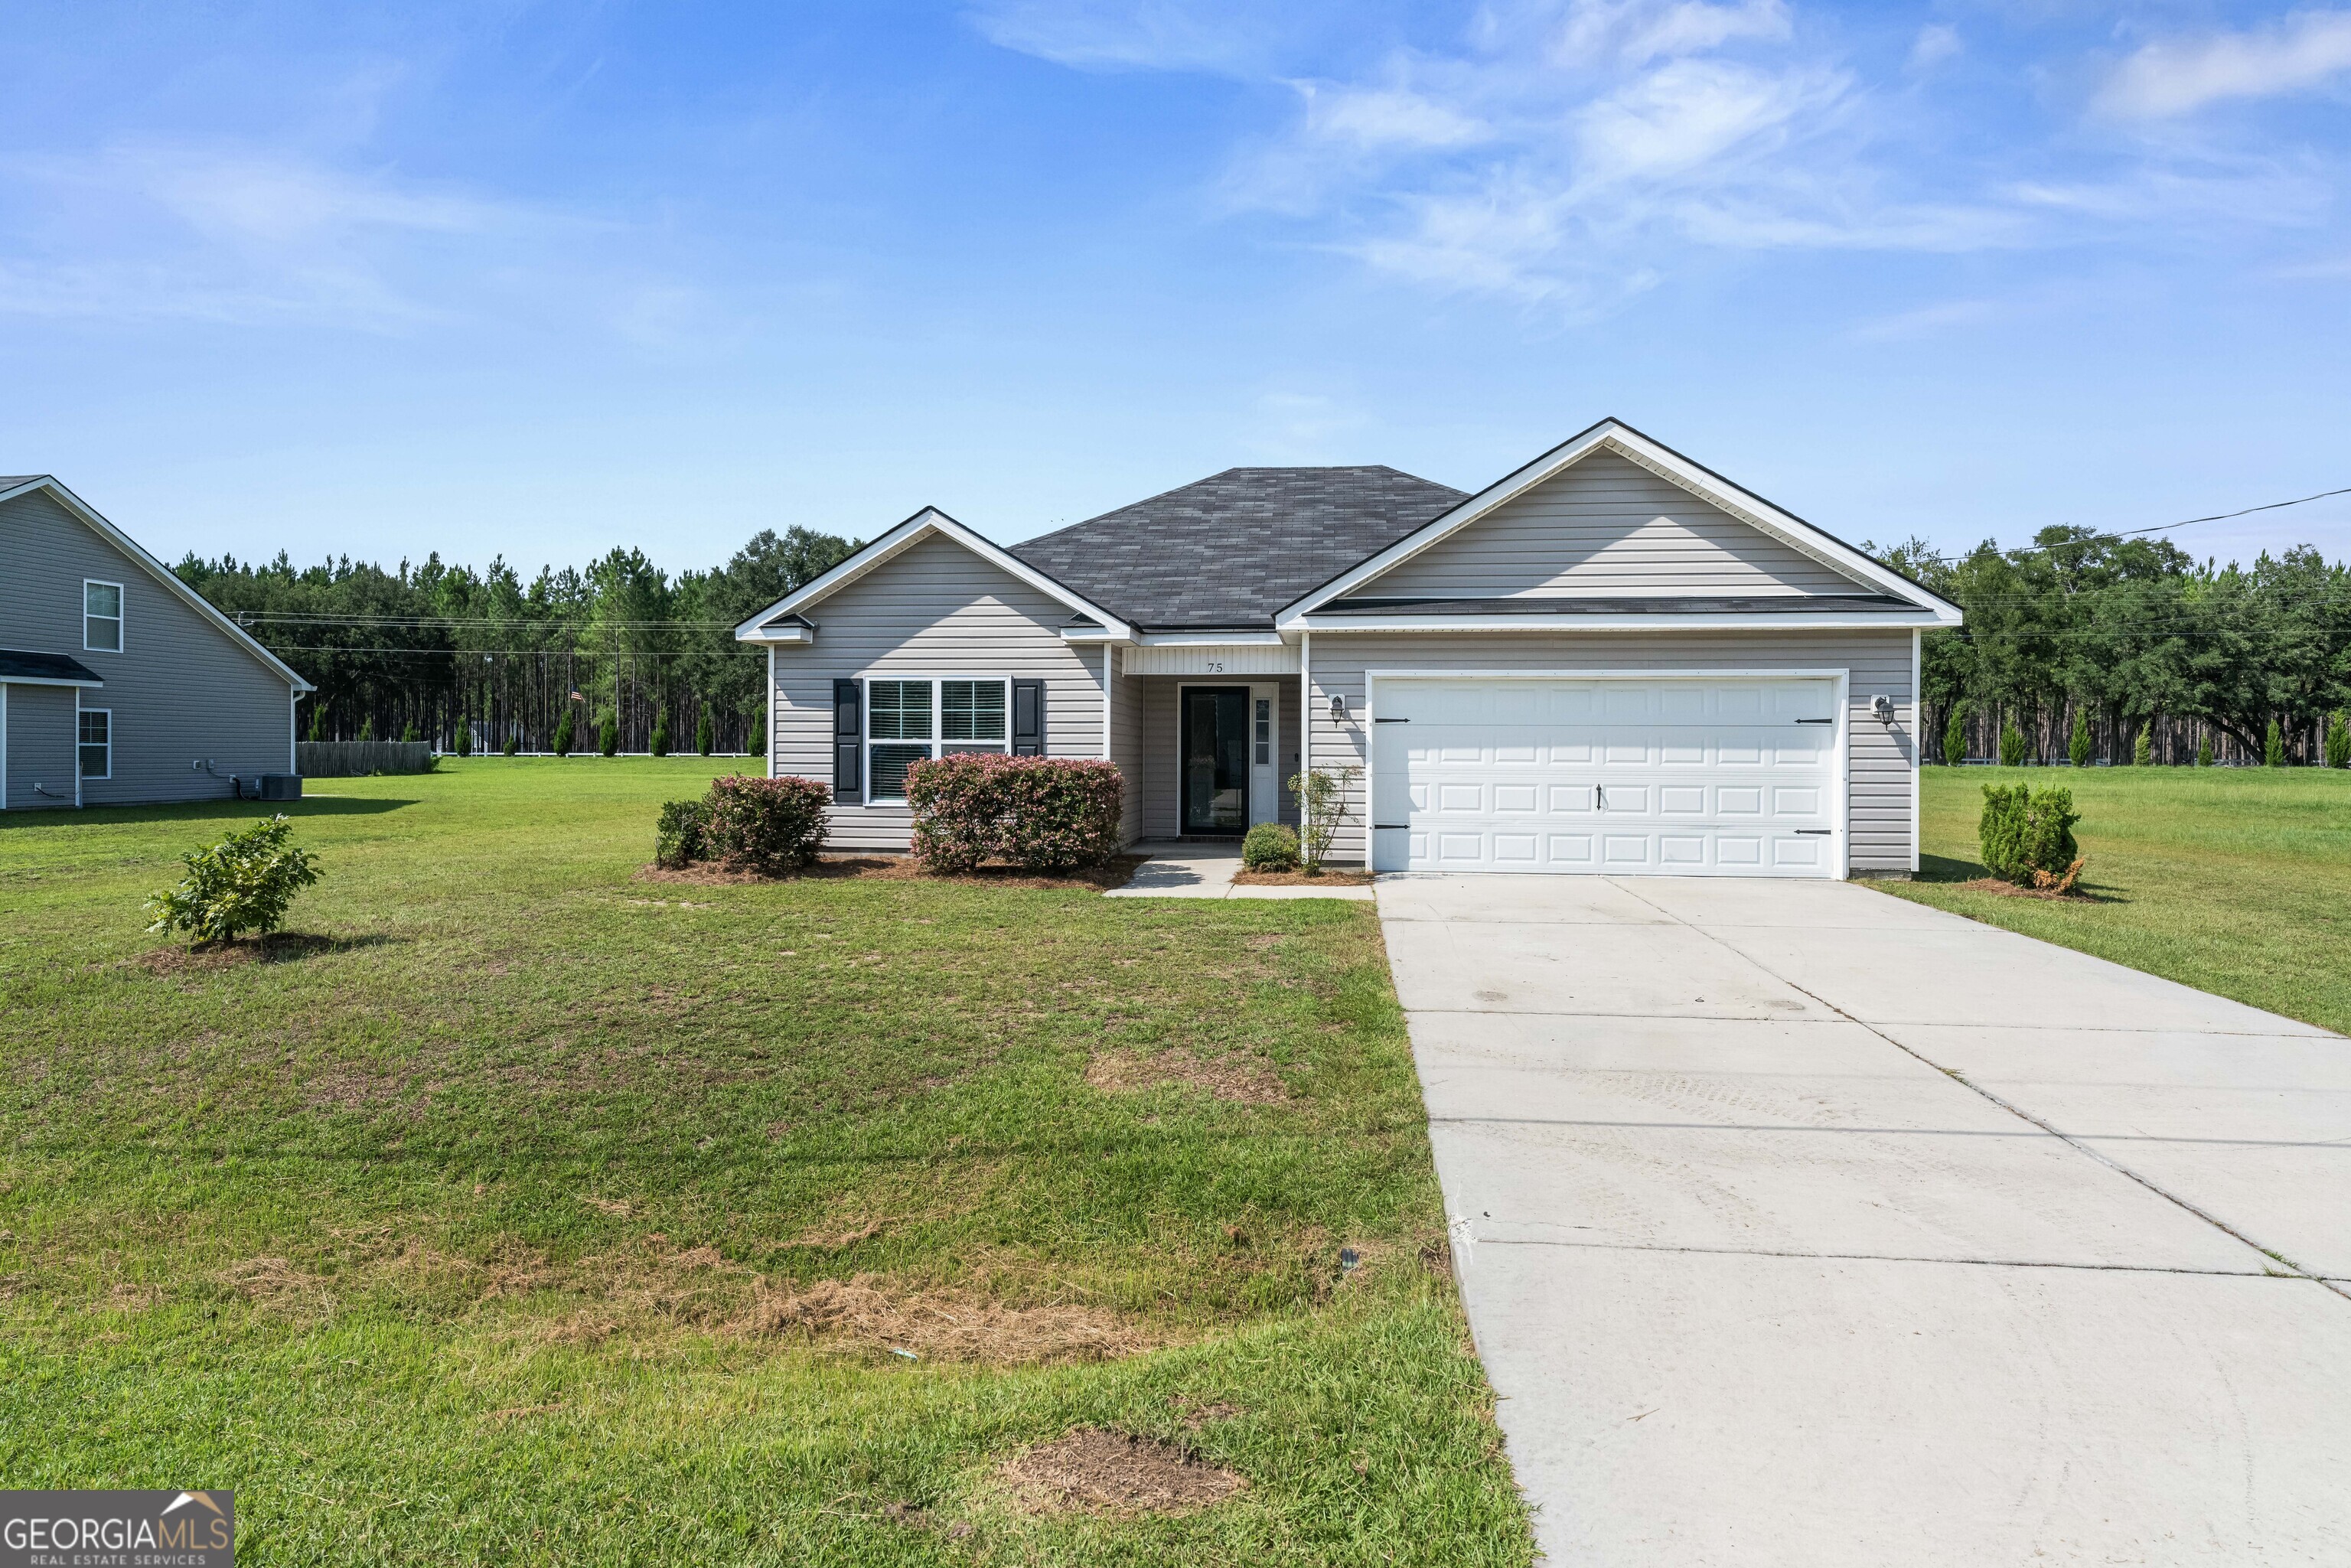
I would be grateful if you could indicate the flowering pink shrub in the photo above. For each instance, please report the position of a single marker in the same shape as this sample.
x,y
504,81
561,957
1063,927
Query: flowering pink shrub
x,y
764,825
1041,813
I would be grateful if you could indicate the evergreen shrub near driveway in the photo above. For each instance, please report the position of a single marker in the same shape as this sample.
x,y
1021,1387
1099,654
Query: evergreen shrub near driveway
x,y
2027,836
681,833
765,825
1041,813
1269,846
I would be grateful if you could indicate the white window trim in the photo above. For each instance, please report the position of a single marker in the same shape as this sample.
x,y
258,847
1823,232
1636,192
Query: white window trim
x,y
120,617
79,776
938,724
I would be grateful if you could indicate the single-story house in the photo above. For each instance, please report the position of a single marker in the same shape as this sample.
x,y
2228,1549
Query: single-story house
x,y
1611,660
119,683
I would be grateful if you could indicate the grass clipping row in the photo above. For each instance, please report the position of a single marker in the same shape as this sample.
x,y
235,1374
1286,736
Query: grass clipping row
x,y
941,1327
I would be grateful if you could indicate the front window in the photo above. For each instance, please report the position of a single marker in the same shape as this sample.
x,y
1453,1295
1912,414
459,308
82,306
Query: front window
x,y
97,736
101,617
913,721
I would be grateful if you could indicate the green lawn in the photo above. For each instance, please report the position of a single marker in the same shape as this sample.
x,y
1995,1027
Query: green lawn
x,y
494,1229
2236,881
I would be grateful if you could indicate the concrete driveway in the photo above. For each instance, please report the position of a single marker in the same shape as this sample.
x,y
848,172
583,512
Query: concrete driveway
x,y
1799,1224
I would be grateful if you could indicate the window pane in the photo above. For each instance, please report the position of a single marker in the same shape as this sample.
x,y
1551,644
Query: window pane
x,y
101,598
105,636
952,749
899,710
93,728
93,762
886,773
971,710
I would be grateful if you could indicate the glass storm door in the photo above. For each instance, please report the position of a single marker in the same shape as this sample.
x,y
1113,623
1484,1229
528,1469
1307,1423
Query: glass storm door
x,y
1216,747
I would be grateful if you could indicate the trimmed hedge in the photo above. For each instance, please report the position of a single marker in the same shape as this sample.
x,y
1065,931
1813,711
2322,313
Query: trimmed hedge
x,y
1041,813
2027,835
1269,846
765,825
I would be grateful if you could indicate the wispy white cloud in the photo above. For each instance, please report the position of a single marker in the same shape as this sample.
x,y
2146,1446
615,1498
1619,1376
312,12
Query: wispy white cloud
x,y
2178,76
1635,32
1935,42
141,231
1152,35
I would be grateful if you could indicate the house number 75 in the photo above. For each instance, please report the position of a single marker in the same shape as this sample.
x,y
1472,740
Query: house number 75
x,y
1215,667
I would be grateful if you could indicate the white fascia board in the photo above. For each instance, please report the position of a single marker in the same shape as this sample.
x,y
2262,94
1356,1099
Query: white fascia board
x,y
131,547
1211,638
89,685
1092,634
1667,463
922,525
786,635
1897,621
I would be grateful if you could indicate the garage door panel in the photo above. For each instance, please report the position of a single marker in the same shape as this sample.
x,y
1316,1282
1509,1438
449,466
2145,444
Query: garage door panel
x,y
1667,777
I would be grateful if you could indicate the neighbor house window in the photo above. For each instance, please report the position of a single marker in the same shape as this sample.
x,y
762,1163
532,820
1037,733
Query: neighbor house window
x,y
101,617
96,733
909,722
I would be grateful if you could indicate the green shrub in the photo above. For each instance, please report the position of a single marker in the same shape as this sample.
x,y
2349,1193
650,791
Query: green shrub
x,y
464,740
2338,741
513,743
367,727
2273,747
765,825
660,736
704,738
2143,749
1269,846
608,736
757,746
1321,811
408,733
565,735
317,721
1955,736
2204,752
681,834
2077,749
2027,835
2012,745
245,882
1041,813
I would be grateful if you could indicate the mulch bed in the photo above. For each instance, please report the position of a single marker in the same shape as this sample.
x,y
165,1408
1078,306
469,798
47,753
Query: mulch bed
x,y
1300,879
1111,874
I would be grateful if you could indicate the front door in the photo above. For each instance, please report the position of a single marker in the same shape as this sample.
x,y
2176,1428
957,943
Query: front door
x,y
1215,741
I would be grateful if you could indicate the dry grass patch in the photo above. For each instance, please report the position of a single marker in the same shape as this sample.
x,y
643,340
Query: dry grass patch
x,y
1118,1473
1241,1079
865,1313
1300,879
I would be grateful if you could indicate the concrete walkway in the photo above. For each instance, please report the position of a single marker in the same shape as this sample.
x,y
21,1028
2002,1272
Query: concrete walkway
x,y
1181,870
1798,1224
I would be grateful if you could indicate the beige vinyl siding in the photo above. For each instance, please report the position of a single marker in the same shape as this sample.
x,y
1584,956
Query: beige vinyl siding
x,y
1881,758
1606,527
934,610
181,690
40,738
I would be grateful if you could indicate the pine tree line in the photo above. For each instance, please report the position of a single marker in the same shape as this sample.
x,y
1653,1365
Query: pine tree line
x,y
616,656
2094,649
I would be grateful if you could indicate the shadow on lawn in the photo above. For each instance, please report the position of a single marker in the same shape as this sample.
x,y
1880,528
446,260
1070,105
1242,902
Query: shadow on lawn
x,y
1949,871
201,812
277,948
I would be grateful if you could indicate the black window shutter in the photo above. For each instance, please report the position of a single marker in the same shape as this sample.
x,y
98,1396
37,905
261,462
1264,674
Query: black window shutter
x,y
848,743
1028,719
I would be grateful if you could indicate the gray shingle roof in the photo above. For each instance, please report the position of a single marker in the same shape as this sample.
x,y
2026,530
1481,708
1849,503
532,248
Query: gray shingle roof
x,y
1231,549
1760,605
18,664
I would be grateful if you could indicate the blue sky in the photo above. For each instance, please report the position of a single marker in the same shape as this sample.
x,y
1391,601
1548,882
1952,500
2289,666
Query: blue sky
x,y
542,279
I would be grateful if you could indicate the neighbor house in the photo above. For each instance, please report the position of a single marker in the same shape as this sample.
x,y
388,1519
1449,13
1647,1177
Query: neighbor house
x,y
119,683
1611,659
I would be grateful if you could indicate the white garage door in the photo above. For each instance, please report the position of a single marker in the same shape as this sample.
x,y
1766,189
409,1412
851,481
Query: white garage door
x,y
1673,777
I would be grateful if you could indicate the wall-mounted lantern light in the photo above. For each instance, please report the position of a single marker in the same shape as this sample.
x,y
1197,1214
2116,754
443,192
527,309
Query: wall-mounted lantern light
x,y
1883,706
1338,708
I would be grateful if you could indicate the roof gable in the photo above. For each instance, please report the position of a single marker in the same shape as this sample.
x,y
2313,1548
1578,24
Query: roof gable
x,y
1545,531
782,622
130,549
1231,549
1605,527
